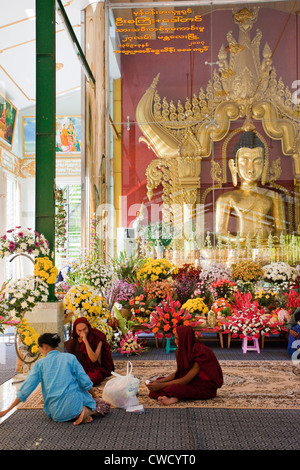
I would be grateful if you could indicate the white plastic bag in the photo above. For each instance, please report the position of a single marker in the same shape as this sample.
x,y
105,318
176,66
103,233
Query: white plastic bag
x,y
121,390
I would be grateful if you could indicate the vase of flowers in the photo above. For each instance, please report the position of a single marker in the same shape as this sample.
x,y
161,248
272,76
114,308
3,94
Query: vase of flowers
x,y
214,272
184,282
159,236
125,267
156,291
266,298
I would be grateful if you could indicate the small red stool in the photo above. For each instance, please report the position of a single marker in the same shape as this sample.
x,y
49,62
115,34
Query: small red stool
x,y
246,347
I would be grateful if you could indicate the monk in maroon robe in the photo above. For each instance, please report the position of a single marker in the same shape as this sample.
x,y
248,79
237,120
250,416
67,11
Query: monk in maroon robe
x,y
198,374
92,350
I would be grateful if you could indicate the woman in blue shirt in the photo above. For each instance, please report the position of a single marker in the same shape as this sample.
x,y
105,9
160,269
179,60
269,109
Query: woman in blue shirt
x,y
67,390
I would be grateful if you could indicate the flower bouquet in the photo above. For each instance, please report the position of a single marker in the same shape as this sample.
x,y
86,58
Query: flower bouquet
x,y
156,269
158,290
292,300
125,268
167,316
18,241
44,269
92,271
246,274
121,292
205,291
196,307
214,272
141,305
22,296
61,288
127,342
247,271
221,307
249,319
279,273
86,301
266,298
187,271
185,281
223,288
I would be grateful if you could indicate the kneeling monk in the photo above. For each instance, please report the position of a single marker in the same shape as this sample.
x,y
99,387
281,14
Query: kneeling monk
x,y
198,374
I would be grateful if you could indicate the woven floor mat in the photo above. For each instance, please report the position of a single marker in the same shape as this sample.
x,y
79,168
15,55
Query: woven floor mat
x,y
247,385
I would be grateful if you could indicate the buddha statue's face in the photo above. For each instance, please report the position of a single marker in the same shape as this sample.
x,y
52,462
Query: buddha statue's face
x,y
250,163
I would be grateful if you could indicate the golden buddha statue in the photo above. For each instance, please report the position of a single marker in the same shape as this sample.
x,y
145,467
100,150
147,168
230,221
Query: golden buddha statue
x,y
251,210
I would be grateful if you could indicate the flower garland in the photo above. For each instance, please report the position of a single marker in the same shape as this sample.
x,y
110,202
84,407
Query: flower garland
x,y
18,241
60,220
44,269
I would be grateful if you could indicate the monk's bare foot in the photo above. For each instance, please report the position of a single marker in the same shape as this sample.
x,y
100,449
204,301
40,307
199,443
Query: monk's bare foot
x,y
89,419
168,400
84,416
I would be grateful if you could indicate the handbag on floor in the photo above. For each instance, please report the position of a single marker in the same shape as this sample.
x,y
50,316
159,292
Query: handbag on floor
x,y
121,390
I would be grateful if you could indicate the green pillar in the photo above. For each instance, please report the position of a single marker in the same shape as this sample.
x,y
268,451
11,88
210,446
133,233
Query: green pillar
x,y
45,122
